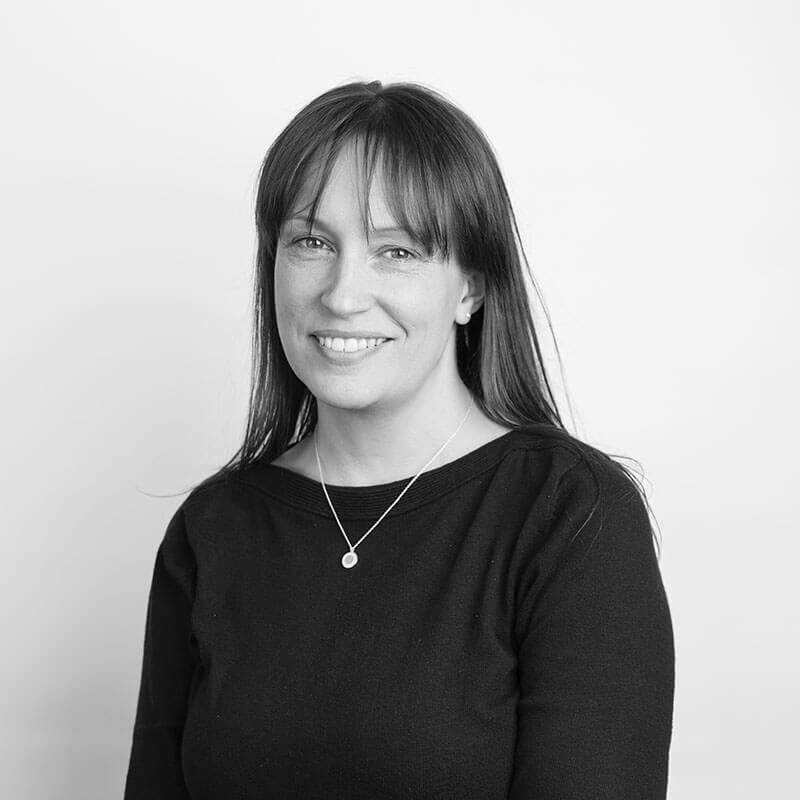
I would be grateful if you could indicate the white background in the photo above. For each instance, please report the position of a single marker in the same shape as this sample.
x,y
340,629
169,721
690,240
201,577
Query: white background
x,y
651,155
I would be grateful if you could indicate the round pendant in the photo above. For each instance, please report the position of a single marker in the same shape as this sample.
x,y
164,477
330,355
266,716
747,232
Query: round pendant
x,y
349,560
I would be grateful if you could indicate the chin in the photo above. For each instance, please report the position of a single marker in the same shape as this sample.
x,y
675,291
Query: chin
x,y
350,398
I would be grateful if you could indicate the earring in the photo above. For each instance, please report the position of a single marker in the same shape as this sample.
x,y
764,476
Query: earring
x,y
468,318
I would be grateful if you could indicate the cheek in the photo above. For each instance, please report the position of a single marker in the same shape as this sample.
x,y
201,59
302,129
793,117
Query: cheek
x,y
426,312
280,298
283,283
288,310
291,295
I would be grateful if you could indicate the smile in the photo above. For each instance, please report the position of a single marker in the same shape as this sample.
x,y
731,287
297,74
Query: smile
x,y
348,349
347,345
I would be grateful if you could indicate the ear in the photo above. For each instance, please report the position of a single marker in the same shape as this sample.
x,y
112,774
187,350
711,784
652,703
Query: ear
x,y
474,291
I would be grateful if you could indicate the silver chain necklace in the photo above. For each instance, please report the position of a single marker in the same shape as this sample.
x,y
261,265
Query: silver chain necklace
x,y
350,559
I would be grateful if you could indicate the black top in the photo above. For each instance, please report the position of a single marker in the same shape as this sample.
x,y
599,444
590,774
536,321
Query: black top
x,y
484,646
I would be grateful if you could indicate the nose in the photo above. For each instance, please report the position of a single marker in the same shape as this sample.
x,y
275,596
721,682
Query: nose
x,y
346,288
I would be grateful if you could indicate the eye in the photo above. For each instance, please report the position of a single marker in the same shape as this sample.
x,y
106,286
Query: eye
x,y
303,239
408,254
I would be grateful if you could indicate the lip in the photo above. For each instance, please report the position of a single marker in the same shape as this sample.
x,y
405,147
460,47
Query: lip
x,y
343,357
334,334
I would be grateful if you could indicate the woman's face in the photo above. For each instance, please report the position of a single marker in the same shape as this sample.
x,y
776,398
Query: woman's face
x,y
335,284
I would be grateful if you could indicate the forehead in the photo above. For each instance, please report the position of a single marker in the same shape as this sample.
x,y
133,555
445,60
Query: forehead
x,y
346,193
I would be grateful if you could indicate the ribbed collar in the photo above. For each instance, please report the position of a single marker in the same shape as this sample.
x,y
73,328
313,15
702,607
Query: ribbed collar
x,y
369,502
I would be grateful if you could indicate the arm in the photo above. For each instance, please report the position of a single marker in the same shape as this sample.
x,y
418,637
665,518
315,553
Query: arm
x,y
595,653
169,661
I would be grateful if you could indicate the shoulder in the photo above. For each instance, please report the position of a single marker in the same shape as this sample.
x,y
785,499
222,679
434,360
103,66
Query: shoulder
x,y
580,465
218,502
568,492
594,544
577,468
599,515
586,492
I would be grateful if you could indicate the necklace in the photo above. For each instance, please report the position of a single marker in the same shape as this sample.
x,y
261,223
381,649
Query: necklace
x,y
350,559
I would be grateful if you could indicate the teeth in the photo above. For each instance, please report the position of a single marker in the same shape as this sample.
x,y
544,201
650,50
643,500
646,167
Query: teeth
x,y
347,345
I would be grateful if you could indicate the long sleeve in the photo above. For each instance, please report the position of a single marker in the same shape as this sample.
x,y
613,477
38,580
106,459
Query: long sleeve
x,y
170,658
595,652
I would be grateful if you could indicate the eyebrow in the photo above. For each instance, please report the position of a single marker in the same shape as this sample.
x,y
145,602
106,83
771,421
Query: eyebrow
x,y
324,226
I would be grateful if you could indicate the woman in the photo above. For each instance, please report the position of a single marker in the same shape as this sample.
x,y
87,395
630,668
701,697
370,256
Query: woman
x,y
410,581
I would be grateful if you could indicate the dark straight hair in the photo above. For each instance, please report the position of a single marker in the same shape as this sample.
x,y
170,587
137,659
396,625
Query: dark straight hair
x,y
444,186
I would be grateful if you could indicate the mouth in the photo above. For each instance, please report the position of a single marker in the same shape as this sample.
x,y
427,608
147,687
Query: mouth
x,y
340,350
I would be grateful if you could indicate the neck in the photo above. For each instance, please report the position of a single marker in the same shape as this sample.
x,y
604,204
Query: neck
x,y
379,445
